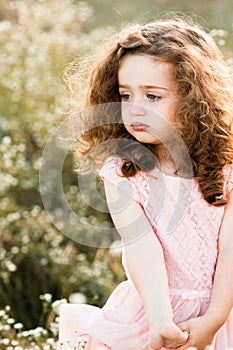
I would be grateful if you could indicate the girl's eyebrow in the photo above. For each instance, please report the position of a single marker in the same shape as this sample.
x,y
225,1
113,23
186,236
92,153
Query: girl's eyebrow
x,y
144,87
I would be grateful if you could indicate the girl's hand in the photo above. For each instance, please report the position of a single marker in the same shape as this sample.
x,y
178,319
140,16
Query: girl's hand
x,y
168,335
201,332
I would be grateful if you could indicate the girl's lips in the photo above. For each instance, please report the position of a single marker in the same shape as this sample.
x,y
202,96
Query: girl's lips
x,y
139,126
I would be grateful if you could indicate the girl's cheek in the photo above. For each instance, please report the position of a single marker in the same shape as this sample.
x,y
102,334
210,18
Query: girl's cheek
x,y
125,112
125,120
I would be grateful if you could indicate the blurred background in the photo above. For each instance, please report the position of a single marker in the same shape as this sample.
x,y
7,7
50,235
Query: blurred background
x,y
40,268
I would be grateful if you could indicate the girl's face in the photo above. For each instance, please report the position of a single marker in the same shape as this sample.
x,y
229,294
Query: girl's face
x,y
149,97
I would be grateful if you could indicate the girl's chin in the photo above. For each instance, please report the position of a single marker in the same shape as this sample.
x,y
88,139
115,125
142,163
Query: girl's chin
x,y
147,140
144,137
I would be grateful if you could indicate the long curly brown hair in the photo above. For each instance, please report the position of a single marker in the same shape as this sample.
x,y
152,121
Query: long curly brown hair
x,y
204,114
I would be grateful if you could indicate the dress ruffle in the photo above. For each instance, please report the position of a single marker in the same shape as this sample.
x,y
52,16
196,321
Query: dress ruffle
x,y
122,323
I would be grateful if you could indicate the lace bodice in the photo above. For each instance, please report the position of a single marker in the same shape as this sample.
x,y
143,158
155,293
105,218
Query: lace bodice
x,y
185,224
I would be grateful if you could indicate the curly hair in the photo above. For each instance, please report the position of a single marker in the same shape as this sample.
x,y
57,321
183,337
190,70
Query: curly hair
x,y
204,113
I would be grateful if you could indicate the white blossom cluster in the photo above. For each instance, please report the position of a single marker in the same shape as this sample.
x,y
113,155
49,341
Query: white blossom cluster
x,y
13,336
37,41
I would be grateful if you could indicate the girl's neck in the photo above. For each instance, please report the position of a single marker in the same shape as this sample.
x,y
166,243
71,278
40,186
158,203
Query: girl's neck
x,y
166,163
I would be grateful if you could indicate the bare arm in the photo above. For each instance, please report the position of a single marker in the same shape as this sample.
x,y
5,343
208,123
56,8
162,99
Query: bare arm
x,y
145,261
221,302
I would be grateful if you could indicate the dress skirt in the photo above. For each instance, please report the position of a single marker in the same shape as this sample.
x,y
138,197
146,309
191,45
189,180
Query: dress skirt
x,y
122,324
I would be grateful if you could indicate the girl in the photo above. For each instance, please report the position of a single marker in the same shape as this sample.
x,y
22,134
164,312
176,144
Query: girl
x,y
175,96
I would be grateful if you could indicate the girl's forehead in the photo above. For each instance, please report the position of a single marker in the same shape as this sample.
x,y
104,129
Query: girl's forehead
x,y
140,56
139,69
143,61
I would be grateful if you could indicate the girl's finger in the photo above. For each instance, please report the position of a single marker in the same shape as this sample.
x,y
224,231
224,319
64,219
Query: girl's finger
x,y
186,332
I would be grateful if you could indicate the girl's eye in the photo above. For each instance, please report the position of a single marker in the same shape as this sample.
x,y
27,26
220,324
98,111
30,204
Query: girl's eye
x,y
125,97
152,97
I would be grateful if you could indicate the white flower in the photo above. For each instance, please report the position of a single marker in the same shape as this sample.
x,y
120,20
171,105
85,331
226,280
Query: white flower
x,y
25,334
222,42
46,347
18,326
14,342
11,320
50,341
116,248
38,331
5,341
10,266
15,250
6,140
77,298
13,216
37,164
46,297
82,341
56,305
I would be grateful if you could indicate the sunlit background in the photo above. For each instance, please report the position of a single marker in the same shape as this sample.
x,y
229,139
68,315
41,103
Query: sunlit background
x,y
40,267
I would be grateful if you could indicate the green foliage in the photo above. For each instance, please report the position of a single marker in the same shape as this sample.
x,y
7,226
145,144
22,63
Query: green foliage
x,y
209,13
38,39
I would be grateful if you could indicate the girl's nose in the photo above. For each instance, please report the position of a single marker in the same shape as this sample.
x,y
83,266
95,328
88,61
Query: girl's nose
x,y
137,110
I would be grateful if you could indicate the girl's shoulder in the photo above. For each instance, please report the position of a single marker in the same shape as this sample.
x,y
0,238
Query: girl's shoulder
x,y
111,169
228,175
133,186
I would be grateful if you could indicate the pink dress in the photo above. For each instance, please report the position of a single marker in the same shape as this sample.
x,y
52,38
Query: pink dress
x,y
187,227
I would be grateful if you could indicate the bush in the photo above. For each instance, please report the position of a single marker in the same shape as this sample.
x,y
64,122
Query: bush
x,y
38,39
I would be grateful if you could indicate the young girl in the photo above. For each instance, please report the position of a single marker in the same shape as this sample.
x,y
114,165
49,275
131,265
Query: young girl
x,y
175,96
